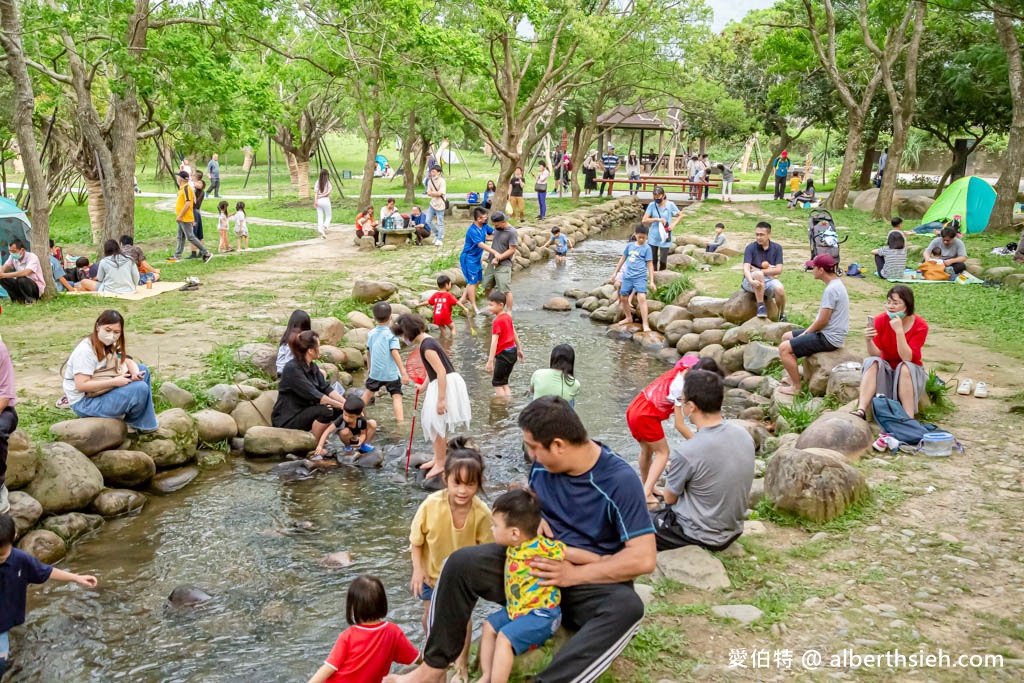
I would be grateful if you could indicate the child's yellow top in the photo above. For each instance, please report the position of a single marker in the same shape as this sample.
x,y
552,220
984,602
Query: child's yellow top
x,y
794,183
523,592
434,529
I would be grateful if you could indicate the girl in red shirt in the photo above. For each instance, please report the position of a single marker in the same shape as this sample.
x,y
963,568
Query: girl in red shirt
x,y
893,366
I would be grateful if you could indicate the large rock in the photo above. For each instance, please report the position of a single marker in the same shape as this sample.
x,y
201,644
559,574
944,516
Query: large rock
x,y
742,306
261,356
865,201
671,314
117,502
352,359
355,339
176,396
838,431
745,614
708,337
818,367
911,206
680,261
25,510
213,426
714,351
675,330
125,468
688,343
705,324
22,460
706,306
65,480
90,435
773,332
844,383
174,480
749,331
72,525
250,414
732,359
665,277
175,440
757,356
45,546
225,397
557,303
372,291
692,566
359,320
330,329
813,484
269,441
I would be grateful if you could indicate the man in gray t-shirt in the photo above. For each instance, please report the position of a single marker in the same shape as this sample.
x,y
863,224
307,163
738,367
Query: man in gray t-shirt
x,y
498,273
709,477
951,250
826,333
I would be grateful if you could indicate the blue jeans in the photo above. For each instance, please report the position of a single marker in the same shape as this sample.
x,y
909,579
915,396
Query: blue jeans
x,y
132,403
433,213
928,228
542,199
146,277
5,652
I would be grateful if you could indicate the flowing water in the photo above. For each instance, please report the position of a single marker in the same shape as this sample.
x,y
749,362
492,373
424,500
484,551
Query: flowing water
x,y
276,611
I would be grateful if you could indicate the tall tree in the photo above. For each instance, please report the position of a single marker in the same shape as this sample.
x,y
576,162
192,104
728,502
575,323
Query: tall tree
x,y
1005,18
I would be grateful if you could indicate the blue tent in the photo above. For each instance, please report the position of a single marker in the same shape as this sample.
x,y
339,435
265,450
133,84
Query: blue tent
x,y
13,225
381,160
971,198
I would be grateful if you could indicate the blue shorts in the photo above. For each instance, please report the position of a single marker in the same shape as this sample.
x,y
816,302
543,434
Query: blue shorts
x,y
630,285
5,652
147,277
561,253
528,631
473,272
426,593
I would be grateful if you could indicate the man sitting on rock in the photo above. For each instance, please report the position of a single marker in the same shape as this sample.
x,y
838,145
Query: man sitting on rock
x,y
709,476
762,264
826,333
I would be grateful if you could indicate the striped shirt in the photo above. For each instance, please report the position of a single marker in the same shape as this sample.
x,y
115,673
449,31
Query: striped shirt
x,y
895,262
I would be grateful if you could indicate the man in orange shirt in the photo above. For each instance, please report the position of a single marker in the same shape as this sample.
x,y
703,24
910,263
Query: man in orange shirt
x,y
186,219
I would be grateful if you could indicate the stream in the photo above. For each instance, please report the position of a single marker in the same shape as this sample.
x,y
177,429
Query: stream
x,y
276,611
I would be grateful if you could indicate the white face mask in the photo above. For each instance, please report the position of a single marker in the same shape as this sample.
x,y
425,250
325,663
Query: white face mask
x,y
107,337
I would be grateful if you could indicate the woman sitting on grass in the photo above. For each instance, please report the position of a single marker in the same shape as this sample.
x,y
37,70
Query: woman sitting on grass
x,y
117,273
891,260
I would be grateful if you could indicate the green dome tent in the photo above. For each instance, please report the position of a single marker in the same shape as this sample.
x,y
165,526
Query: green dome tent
x,y
13,225
971,198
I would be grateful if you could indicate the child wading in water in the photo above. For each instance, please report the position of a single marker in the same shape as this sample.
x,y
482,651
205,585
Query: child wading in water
x,y
365,651
241,227
561,245
222,228
383,360
505,347
354,430
637,266
447,520
441,302
557,379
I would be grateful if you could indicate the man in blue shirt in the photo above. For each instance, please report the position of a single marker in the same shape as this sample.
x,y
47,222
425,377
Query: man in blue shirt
x,y
418,222
781,166
762,264
609,162
472,253
591,499
213,172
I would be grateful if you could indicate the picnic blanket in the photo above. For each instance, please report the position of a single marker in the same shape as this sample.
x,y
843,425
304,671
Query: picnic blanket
x,y
916,277
141,292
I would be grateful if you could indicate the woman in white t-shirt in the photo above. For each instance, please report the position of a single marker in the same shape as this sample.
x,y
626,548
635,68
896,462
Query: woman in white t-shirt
x,y
390,218
126,395
323,202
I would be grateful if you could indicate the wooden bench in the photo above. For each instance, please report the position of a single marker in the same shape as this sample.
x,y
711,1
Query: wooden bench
x,y
397,237
683,184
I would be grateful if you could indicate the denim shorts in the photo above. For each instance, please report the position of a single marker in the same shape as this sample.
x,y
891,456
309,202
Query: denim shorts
x,y
636,284
528,631
426,592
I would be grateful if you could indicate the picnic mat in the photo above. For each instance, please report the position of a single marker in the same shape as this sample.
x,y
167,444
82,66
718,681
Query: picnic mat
x,y
916,278
141,292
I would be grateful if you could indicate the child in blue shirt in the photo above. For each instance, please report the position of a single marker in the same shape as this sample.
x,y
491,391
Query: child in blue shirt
x,y
383,360
637,266
17,570
561,244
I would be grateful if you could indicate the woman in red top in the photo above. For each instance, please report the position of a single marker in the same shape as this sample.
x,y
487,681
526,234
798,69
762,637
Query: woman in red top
x,y
893,367
366,226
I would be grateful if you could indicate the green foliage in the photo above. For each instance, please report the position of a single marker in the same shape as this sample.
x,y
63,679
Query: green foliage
x,y
804,410
666,294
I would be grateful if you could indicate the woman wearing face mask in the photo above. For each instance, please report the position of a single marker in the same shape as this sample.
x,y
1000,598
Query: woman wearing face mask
x,y
661,216
893,367
102,380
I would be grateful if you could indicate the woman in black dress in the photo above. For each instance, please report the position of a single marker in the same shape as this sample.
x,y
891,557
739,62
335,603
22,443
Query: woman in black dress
x,y
305,400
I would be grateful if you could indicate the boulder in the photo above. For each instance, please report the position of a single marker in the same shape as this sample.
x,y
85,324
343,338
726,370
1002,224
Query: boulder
x,y
269,441
1014,281
176,396
358,320
742,306
669,355
254,413
65,479
355,339
261,356
90,435
372,291
683,298
713,351
694,240
680,261
125,468
747,332
117,502
45,546
366,244
998,273
705,324
664,277
671,314
757,356
454,274
773,332
606,314
911,206
844,383
706,306
25,510
174,480
213,426
736,379
755,429
708,337
22,459
756,492
225,397
208,459
330,329
675,330
574,293
247,393
692,566
188,596
818,368
838,431
865,201
745,614
72,525
650,341
175,440
688,343
557,303
712,258
815,485
732,359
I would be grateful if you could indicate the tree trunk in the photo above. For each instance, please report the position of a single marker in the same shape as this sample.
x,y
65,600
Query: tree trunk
x,y
293,168
421,161
371,131
302,176
1008,185
868,164
23,109
747,149
248,160
837,198
883,205
784,140
408,143
944,178
577,162
97,207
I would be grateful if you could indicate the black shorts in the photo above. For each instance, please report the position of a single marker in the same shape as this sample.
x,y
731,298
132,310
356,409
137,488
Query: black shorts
x,y
668,534
503,364
809,343
394,386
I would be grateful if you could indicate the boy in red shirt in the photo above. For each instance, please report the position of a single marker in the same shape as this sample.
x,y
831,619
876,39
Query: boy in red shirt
x,y
505,347
441,303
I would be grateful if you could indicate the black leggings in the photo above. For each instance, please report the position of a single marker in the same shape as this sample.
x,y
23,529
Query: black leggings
x,y
604,616
660,256
22,290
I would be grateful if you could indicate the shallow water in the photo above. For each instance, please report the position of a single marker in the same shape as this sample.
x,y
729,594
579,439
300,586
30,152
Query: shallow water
x,y
276,611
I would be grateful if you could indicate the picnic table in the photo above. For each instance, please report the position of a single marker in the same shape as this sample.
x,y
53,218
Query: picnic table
x,y
684,184
397,236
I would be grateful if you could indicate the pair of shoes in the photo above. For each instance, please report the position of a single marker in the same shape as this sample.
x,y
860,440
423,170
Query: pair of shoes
x,y
62,402
762,311
885,442
967,387
207,256
172,259
366,448
437,243
323,237
194,255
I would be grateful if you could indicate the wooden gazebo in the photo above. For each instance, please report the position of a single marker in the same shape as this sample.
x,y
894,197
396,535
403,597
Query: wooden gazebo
x,y
638,117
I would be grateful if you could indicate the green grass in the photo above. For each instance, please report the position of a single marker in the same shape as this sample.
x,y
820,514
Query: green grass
x,y
666,294
801,412
774,370
883,499
219,367
939,393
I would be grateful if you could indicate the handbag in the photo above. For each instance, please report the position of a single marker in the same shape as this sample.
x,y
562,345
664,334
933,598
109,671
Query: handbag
x,y
447,204
541,187
108,371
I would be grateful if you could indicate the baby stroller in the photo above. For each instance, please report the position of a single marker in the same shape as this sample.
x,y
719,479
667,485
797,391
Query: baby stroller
x,y
822,234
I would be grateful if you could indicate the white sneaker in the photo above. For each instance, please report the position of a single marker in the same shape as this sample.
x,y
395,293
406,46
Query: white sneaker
x,y
981,391
965,388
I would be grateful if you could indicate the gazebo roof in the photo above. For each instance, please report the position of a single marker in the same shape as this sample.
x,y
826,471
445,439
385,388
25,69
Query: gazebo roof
x,y
639,117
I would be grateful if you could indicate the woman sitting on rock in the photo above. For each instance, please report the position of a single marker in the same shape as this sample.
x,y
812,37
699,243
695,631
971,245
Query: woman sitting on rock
x,y
893,367
298,322
117,273
102,380
305,399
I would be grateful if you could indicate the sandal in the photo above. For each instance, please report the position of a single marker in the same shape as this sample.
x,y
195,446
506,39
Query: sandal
x,y
860,413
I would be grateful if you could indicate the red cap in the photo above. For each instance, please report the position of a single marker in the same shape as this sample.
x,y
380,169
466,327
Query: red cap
x,y
822,261
785,153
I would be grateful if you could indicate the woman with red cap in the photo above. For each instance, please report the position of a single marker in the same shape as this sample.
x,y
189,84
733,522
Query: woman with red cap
x,y
663,398
781,166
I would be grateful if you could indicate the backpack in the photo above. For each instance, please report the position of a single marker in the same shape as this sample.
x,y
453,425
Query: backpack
x,y
893,420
